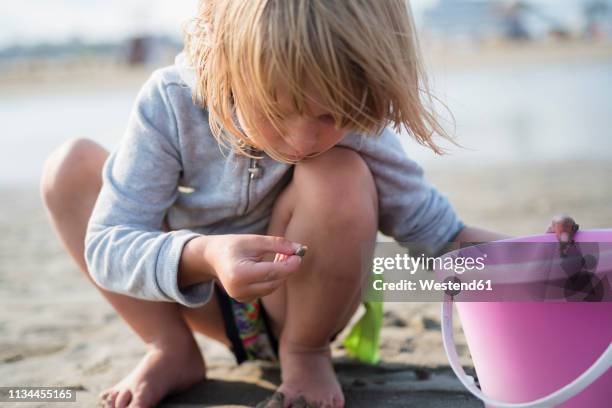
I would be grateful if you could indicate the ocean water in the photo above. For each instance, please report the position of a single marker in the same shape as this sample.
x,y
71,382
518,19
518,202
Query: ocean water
x,y
517,113
34,124
526,112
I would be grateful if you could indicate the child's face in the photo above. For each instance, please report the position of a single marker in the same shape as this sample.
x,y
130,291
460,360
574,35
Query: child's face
x,y
305,136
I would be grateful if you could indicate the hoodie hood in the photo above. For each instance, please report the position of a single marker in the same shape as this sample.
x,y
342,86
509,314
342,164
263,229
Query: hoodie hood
x,y
186,71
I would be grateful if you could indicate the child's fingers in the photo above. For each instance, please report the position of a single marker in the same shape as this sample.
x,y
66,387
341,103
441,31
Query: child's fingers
x,y
564,228
301,251
280,245
280,257
260,289
277,270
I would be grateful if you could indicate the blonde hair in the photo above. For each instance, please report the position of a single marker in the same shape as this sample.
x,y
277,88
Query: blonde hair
x,y
361,55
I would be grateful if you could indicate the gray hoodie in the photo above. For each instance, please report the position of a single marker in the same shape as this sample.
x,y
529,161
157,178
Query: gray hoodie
x,y
169,166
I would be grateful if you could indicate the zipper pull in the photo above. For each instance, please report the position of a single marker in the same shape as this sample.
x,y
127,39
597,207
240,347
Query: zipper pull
x,y
255,171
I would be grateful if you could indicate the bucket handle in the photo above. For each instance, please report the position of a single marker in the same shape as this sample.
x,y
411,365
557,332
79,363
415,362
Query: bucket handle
x,y
603,363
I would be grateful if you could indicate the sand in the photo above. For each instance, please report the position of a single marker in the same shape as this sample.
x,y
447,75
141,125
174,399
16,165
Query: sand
x,y
56,329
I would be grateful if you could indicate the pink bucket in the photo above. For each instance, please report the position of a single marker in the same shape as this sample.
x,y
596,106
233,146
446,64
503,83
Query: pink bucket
x,y
538,354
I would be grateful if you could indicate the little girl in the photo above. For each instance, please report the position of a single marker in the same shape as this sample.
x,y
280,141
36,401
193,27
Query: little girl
x,y
269,133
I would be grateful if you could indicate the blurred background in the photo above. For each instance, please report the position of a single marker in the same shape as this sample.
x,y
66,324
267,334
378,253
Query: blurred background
x,y
525,79
529,84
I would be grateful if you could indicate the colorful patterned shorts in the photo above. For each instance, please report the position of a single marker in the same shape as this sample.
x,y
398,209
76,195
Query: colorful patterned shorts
x,y
247,326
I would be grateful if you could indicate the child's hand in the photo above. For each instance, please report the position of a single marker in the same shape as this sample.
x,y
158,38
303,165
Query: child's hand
x,y
564,228
239,265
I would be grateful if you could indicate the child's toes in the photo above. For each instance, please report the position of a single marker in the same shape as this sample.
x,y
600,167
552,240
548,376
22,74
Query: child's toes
x,y
104,394
141,400
276,400
111,398
124,399
301,402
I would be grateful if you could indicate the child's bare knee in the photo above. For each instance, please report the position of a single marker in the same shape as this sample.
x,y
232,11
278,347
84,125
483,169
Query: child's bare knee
x,y
68,167
339,183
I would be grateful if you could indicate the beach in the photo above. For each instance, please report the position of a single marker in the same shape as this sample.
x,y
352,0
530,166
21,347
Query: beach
x,y
57,330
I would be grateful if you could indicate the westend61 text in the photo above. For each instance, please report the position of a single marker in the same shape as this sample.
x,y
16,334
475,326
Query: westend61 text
x,y
433,285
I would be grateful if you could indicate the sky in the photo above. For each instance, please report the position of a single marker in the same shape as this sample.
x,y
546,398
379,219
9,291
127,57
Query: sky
x,y
34,21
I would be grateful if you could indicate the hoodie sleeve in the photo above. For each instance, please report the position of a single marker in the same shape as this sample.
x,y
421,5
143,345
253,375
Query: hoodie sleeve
x,y
411,210
125,248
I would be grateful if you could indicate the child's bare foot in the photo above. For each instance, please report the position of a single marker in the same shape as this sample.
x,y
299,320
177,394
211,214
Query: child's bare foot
x,y
162,370
309,379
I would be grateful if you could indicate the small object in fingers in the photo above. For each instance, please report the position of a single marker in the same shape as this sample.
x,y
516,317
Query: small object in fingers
x,y
301,251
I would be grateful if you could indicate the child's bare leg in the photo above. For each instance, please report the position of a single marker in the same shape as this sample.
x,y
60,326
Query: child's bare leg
x,y
331,206
70,186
